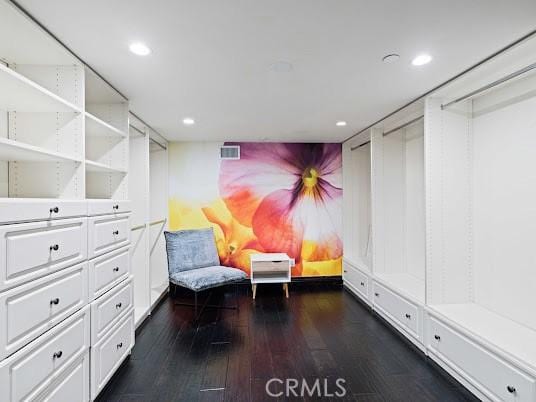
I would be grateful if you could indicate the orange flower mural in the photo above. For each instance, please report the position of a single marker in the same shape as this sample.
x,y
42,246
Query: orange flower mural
x,y
275,198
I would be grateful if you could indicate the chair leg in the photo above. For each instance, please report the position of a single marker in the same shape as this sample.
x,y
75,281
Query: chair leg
x,y
195,308
236,297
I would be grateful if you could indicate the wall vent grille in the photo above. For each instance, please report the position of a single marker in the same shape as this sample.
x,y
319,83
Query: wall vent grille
x,y
231,152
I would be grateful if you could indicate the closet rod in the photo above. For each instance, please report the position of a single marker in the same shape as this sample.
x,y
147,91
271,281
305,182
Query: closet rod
x,y
157,143
359,146
144,123
137,227
136,129
409,123
157,222
491,85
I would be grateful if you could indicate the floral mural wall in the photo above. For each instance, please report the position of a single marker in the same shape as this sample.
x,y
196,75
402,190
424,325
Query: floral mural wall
x,y
275,198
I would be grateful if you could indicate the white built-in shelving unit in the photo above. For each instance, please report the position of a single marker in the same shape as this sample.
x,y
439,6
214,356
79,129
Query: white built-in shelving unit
x,y
148,186
453,193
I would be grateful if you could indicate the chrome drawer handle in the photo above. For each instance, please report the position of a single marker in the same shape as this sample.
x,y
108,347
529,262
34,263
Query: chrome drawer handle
x,y
408,316
55,301
345,271
115,232
55,247
116,207
437,337
511,389
116,269
57,355
118,305
54,210
119,345
362,283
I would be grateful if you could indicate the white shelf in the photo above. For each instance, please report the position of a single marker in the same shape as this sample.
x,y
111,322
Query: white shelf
x,y
96,127
406,284
97,167
357,265
508,336
18,93
13,151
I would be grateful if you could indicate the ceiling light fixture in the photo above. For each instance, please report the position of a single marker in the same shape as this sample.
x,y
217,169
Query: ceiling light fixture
x,y
139,48
391,58
282,67
340,123
421,60
188,121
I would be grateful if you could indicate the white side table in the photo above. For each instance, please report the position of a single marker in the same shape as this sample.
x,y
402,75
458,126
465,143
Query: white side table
x,y
270,268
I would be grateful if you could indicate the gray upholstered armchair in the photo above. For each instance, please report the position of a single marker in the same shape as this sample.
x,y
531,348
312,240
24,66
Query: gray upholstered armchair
x,y
193,263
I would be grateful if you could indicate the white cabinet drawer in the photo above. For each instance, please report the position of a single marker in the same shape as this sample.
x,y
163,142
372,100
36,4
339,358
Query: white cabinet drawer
x,y
107,309
33,250
34,368
29,310
27,210
105,207
398,308
107,233
356,279
107,355
72,386
496,378
108,270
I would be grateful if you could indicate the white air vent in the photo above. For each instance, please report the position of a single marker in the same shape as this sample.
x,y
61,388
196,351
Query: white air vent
x,y
230,152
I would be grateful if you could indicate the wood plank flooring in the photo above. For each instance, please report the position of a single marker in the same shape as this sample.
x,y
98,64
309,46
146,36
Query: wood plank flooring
x,y
321,331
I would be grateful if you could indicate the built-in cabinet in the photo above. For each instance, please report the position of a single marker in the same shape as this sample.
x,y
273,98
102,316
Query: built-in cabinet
x,y
148,186
66,292
453,216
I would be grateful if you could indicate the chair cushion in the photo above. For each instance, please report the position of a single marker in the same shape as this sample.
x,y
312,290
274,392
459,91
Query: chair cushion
x,y
191,249
208,277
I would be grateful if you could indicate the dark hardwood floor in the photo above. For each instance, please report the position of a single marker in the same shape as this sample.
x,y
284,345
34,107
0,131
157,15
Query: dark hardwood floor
x,y
322,332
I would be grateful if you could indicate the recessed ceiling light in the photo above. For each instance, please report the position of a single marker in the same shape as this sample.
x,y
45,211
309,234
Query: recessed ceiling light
x,y
421,60
391,58
139,49
340,123
188,121
282,67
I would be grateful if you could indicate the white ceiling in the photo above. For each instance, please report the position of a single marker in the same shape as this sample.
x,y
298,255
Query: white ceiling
x,y
211,58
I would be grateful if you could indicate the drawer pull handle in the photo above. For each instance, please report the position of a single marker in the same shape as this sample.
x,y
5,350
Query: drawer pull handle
x,y
408,316
55,301
55,247
54,210
119,345
115,232
345,271
437,337
362,283
511,389
57,355
118,305
116,269
377,294
116,207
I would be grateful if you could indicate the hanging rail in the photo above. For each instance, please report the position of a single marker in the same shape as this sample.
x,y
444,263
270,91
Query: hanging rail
x,y
360,145
157,143
431,91
491,85
409,123
136,129
137,227
158,222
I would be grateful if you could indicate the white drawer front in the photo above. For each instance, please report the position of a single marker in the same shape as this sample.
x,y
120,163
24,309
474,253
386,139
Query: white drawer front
x,y
33,250
107,233
356,279
108,270
35,367
479,365
29,310
73,386
398,308
105,207
27,210
108,354
107,309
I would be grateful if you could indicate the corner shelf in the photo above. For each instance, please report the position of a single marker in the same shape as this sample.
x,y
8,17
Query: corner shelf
x,y
15,151
23,95
96,127
96,167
